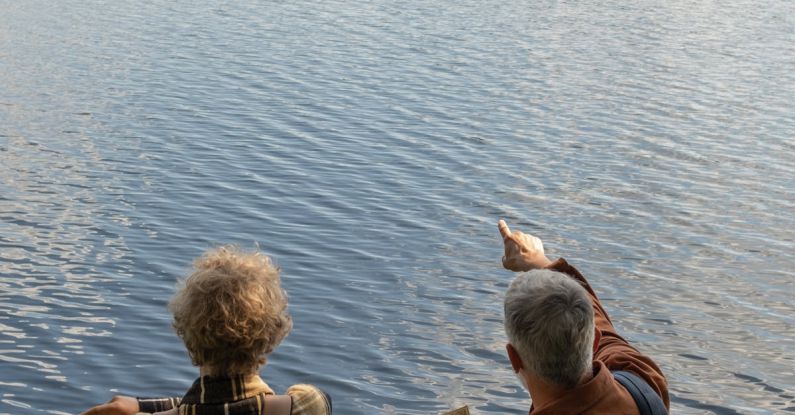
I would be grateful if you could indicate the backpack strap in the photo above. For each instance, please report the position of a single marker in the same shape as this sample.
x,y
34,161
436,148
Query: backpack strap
x,y
647,400
278,404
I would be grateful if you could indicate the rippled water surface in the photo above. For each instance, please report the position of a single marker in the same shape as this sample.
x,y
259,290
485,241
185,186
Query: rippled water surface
x,y
371,146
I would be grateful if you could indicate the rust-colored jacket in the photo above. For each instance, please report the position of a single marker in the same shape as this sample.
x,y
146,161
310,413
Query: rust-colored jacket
x,y
603,394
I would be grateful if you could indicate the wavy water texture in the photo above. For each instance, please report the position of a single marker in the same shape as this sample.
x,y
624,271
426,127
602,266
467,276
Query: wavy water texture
x,y
371,148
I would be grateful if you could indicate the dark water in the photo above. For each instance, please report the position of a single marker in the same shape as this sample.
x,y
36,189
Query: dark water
x,y
371,148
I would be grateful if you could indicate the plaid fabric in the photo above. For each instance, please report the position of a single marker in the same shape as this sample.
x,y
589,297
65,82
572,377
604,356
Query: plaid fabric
x,y
239,395
152,405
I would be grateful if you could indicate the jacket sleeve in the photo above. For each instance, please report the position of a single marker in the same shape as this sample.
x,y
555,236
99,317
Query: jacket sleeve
x,y
309,400
615,352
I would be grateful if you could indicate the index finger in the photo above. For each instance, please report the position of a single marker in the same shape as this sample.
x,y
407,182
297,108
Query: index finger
x,y
504,231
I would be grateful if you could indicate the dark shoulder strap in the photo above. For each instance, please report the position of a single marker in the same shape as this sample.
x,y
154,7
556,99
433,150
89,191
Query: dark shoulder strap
x,y
278,404
649,403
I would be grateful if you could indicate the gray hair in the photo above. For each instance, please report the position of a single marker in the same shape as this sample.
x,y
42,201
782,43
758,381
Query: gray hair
x,y
549,320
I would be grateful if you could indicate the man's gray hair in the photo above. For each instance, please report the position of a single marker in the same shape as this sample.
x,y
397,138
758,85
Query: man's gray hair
x,y
549,320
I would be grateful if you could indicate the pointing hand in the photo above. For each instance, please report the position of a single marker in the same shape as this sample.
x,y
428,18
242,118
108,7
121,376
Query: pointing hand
x,y
523,252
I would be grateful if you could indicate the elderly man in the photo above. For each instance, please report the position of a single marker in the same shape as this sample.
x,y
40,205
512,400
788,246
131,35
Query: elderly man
x,y
563,346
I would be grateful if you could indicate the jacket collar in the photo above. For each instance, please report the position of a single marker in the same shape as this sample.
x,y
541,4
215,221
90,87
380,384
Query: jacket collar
x,y
210,390
583,396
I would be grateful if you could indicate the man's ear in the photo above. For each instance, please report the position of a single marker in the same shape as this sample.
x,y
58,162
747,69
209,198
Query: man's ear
x,y
597,336
513,356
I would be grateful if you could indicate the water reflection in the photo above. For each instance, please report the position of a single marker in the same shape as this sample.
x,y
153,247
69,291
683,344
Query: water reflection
x,y
51,297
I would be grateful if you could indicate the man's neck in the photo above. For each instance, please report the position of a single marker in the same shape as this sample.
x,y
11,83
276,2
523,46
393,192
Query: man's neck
x,y
542,392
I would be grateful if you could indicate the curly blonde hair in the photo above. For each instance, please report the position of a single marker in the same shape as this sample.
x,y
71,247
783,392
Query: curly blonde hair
x,y
231,311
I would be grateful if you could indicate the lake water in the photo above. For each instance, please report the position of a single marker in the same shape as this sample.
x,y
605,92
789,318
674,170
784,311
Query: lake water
x,y
370,147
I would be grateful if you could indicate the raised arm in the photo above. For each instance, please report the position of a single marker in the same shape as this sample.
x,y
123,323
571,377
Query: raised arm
x,y
525,252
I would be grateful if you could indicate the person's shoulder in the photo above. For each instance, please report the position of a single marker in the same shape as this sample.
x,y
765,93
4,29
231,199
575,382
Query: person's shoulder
x,y
309,400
